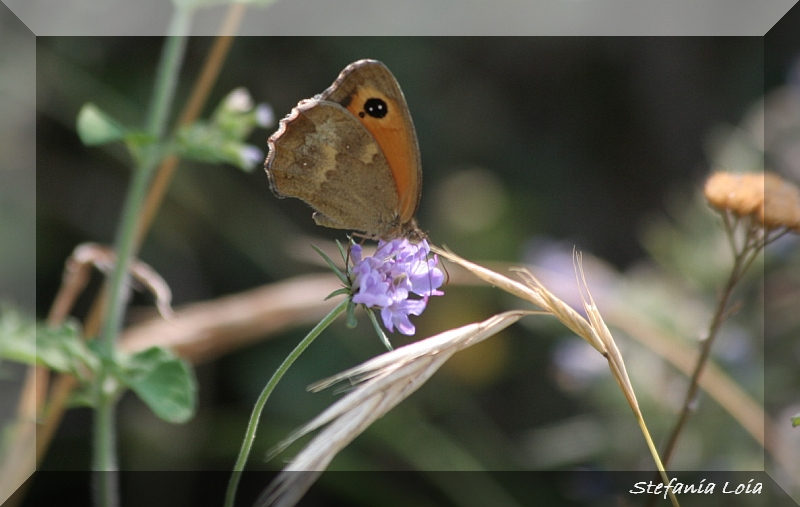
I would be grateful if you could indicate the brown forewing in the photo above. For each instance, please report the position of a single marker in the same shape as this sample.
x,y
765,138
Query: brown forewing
x,y
324,156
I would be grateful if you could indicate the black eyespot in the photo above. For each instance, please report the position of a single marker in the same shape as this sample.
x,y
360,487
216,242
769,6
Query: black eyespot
x,y
376,108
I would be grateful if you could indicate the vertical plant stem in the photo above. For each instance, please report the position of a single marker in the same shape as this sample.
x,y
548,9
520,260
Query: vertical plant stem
x,y
252,425
743,259
104,462
123,247
163,95
167,75
104,468
64,384
104,453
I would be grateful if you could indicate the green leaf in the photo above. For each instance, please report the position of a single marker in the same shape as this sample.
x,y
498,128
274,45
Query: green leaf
x,y
352,322
17,336
60,348
83,396
344,253
331,265
164,382
796,420
96,127
64,350
378,329
344,291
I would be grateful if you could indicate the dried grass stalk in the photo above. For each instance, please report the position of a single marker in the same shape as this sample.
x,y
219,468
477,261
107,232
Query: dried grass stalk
x,y
384,381
380,384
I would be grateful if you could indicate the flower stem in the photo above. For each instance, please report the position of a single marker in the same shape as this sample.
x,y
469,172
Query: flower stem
x,y
104,453
743,259
252,425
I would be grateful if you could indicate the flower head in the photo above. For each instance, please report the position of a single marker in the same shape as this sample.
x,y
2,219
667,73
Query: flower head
x,y
238,114
386,279
742,194
781,204
239,100
771,200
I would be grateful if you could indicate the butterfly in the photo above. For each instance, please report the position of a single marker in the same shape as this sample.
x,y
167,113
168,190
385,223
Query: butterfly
x,y
352,154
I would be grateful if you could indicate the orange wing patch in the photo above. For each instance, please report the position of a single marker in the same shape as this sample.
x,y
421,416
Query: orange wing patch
x,y
382,117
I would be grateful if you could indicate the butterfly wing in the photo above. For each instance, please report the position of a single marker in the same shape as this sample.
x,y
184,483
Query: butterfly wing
x,y
324,156
371,93
351,152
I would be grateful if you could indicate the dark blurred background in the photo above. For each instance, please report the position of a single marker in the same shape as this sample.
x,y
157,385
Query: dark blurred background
x,y
527,144
579,139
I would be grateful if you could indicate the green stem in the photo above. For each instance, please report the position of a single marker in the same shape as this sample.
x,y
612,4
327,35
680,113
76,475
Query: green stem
x,y
163,94
167,74
105,454
124,246
250,435
378,330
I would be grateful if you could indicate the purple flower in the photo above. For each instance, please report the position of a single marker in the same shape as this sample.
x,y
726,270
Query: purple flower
x,y
249,155
385,281
264,115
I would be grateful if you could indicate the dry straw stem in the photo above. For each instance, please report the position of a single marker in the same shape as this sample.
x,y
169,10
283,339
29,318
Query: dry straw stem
x,y
388,379
381,383
534,293
203,331
715,382
594,331
88,255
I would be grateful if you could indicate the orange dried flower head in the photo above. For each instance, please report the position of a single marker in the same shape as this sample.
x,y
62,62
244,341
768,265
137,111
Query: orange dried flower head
x,y
781,204
742,194
771,200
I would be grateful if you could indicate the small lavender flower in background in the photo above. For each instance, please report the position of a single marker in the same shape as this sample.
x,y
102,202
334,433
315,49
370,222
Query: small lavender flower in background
x,y
239,100
249,156
386,279
265,117
222,138
238,114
